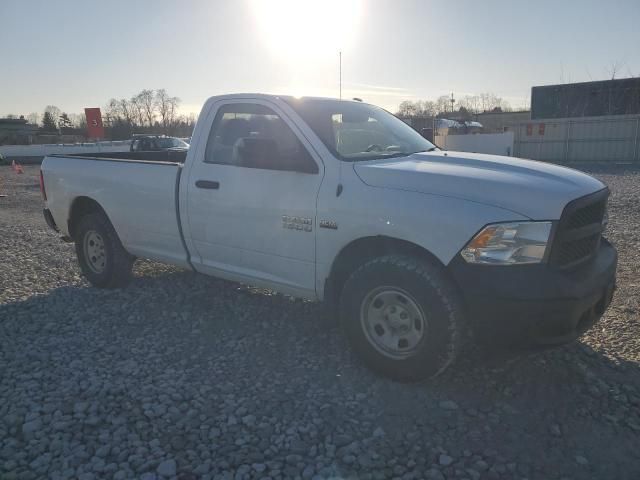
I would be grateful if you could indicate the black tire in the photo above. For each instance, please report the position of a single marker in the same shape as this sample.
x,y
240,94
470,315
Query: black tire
x,y
115,271
427,288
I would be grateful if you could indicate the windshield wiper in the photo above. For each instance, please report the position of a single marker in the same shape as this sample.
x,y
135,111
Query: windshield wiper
x,y
386,155
396,154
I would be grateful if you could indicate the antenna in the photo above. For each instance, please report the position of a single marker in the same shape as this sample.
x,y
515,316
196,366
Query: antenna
x,y
339,186
340,71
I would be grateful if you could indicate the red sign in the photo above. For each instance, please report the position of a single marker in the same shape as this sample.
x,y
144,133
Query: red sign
x,y
94,123
529,130
541,129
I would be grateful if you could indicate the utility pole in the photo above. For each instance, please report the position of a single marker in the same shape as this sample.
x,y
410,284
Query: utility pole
x,y
452,102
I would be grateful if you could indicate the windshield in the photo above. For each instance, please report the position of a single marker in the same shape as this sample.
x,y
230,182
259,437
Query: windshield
x,y
171,143
358,131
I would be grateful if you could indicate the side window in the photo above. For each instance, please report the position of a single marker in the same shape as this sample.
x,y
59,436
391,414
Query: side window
x,y
134,145
254,136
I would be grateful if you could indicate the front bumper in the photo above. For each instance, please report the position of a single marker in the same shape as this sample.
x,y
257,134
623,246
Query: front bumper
x,y
536,304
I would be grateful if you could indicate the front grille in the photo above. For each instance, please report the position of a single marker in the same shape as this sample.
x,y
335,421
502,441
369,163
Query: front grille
x,y
579,230
590,214
576,250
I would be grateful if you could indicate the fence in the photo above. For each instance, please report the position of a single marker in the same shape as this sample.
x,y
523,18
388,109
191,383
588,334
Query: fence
x,y
493,143
614,139
35,153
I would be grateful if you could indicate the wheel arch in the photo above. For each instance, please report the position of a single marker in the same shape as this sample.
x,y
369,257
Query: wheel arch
x,y
363,249
80,207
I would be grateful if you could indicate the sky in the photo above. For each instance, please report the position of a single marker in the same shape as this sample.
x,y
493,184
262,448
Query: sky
x,y
80,53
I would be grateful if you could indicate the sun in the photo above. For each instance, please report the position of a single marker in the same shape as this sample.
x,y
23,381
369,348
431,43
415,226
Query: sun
x,y
307,30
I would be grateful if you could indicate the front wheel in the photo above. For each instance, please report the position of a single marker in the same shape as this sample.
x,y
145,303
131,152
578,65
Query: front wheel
x,y
403,316
102,258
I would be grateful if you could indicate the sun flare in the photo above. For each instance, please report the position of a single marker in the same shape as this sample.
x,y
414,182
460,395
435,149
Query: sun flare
x,y
307,30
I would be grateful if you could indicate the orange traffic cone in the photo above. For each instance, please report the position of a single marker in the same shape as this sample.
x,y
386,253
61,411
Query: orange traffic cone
x,y
16,167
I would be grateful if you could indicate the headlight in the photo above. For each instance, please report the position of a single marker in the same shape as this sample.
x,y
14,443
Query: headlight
x,y
509,243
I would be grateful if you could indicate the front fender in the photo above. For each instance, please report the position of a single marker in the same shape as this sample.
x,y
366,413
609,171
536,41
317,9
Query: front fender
x,y
441,225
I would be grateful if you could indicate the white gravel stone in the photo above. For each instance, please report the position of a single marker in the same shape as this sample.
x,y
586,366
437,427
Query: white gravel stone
x,y
167,468
448,405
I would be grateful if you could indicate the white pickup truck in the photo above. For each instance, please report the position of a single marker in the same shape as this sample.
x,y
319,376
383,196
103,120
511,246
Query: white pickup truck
x,y
341,201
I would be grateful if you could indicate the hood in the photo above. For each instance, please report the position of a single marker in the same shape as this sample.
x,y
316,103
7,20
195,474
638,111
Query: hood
x,y
534,189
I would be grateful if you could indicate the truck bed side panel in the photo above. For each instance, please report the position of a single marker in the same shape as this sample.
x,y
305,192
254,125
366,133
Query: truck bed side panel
x,y
138,197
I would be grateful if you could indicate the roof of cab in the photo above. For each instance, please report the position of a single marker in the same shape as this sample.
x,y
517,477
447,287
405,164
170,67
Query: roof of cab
x,y
268,96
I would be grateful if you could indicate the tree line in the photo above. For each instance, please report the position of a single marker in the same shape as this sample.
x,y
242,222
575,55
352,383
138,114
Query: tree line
x,y
467,106
156,112
150,111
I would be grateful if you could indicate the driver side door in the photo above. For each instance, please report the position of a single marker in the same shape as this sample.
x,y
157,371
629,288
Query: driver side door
x,y
252,199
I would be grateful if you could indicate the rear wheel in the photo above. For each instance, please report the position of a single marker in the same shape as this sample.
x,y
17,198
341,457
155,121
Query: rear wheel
x,y
403,317
102,258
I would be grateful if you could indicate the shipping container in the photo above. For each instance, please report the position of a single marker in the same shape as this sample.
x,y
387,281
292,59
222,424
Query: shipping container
x,y
586,99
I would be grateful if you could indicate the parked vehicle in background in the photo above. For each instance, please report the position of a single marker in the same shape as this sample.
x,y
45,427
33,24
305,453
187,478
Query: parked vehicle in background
x,y
154,143
343,202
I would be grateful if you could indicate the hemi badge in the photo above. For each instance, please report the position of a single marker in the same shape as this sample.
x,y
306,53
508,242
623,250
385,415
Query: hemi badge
x,y
328,224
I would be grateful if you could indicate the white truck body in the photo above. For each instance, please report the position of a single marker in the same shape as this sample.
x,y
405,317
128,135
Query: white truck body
x,y
284,230
436,200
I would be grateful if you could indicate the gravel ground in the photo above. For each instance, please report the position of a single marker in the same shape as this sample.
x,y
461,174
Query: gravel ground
x,y
184,376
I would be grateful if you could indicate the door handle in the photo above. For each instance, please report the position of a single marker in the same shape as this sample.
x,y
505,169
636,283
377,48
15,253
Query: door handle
x,y
211,185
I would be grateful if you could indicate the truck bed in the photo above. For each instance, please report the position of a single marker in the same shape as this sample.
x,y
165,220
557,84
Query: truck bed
x,y
137,191
172,156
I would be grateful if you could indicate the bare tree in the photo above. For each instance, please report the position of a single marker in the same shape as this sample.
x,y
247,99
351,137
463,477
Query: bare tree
x,y
167,107
112,113
485,102
426,108
147,100
407,108
174,103
490,101
588,73
34,118
78,120
138,109
54,113
127,111
630,73
442,104
471,103
614,68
